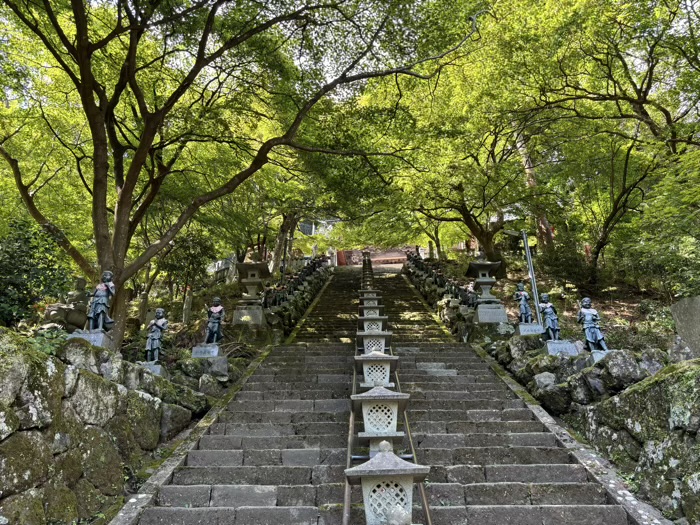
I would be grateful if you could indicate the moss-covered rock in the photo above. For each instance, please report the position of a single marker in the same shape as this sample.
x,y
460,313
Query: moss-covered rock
x,y
68,467
101,462
25,509
191,367
9,422
60,503
121,430
90,500
144,413
173,421
81,354
39,400
95,399
25,462
652,427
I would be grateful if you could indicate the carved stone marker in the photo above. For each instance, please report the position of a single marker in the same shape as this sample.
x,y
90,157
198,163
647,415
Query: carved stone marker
x,y
490,313
529,329
96,338
205,350
562,348
249,315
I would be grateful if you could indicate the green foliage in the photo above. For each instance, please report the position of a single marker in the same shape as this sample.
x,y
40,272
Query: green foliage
x,y
32,270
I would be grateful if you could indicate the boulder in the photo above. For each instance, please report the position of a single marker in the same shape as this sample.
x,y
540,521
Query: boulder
x,y
39,400
209,386
25,509
95,399
80,354
593,377
60,503
191,367
620,370
68,467
174,419
121,431
144,414
90,500
652,360
14,368
217,366
9,422
554,397
25,461
101,462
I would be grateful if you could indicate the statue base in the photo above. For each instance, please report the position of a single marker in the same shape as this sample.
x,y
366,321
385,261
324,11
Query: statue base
x,y
566,348
158,370
529,329
490,313
205,350
96,338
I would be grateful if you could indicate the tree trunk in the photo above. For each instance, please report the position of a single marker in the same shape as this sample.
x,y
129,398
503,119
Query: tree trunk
x,y
118,313
288,224
544,229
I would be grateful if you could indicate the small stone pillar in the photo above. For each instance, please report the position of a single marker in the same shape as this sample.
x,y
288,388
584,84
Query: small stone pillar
x,y
380,409
387,485
376,368
369,293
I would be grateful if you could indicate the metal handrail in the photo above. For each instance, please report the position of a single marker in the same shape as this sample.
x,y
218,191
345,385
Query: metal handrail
x,y
347,498
407,428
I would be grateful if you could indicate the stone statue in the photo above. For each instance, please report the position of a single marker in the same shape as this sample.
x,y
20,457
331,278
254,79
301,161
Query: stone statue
x,y
550,318
155,335
72,313
523,299
216,318
98,316
589,318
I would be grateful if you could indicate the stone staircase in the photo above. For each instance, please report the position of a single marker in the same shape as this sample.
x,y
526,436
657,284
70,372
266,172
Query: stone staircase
x,y
277,455
492,462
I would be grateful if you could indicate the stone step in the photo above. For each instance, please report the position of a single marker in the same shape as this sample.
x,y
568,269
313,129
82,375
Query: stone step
x,y
419,386
290,457
280,429
230,516
493,455
233,496
259,475
284,417
481,404
473,427
457,495
531,439
295,406
530,515
268,395
508,414
235,441
449,395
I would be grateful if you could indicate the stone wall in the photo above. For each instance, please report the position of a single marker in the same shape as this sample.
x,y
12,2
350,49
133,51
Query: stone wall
x,y
74,425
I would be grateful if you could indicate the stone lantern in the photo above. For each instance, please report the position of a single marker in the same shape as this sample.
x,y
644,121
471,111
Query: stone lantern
x,y
387,486
370,301
371,311
380,410
373,341
369,293
376,367
375,323
489,308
